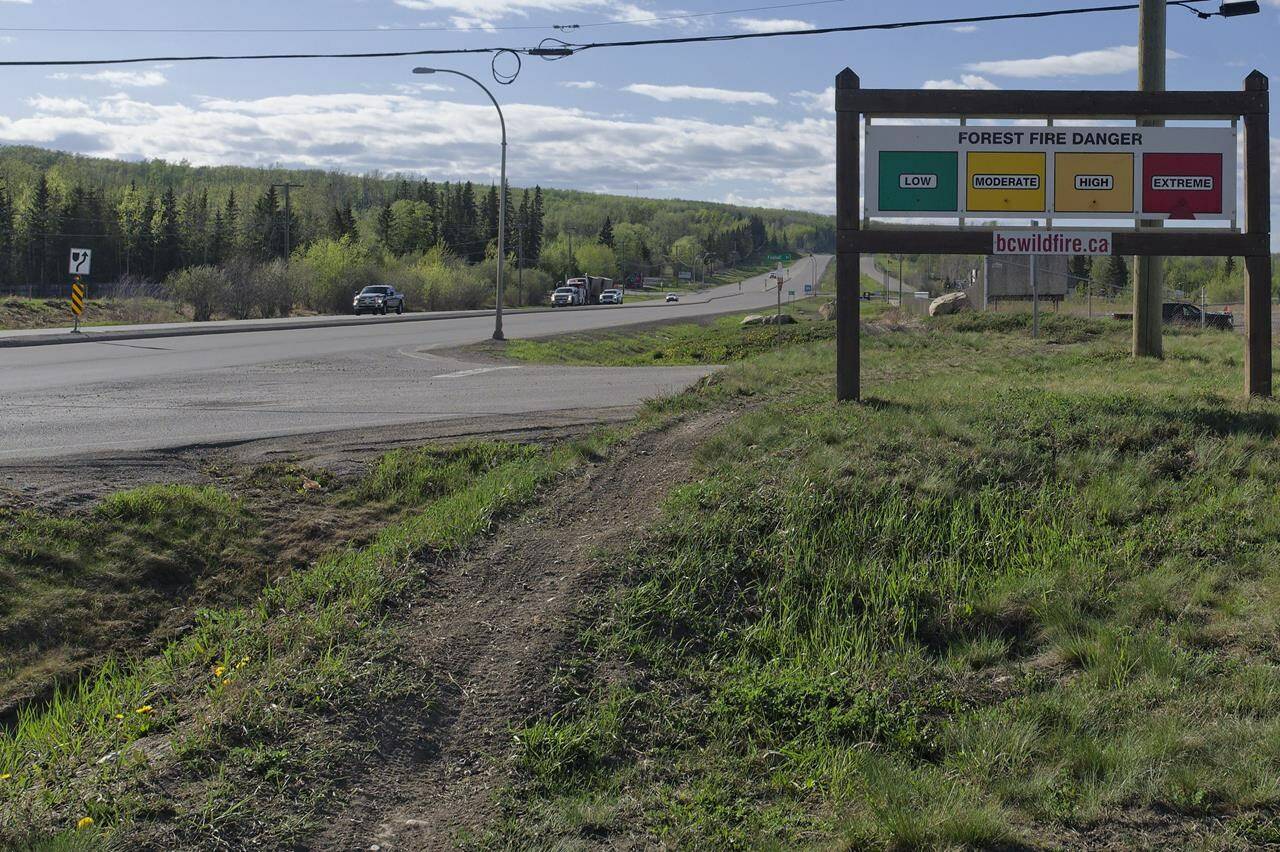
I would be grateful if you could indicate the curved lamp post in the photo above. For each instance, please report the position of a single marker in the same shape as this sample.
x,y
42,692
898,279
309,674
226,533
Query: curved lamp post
x,y
502,196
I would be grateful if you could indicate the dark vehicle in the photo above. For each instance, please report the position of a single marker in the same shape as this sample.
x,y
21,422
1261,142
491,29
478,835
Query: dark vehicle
x,y
378,299
1185,313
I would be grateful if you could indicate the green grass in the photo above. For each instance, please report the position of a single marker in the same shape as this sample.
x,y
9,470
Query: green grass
x,y
720,341
70,584
18,312
1022,593
241,730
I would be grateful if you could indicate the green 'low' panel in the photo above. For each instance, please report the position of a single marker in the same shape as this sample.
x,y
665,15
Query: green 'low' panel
x,y
919,181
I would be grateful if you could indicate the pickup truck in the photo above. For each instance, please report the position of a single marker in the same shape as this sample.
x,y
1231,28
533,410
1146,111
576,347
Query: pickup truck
x,y
1185,313
378,299
566,297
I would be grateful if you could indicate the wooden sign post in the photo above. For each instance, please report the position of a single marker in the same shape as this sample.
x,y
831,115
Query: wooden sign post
x,y
1179,185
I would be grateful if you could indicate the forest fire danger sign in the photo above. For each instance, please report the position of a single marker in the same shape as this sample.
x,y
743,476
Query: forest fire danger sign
x,y
1067,172
1182,185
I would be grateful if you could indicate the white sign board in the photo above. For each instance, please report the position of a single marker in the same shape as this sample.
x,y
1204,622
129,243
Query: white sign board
x,y
80,261
1022,172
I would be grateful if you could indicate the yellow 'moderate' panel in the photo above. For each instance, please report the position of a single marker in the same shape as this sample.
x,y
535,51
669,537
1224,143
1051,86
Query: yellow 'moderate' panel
x,y
1093,183
1000,182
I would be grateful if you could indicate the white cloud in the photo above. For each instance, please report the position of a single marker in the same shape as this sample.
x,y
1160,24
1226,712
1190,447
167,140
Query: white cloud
x,y
43,103
965,28
414,88
359,132
481,14
579,84
24,2
1109,60
699,93
769,25
824,101
117,78
966,81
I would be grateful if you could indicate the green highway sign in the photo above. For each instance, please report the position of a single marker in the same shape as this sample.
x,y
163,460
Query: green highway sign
x,y
919,180
783,256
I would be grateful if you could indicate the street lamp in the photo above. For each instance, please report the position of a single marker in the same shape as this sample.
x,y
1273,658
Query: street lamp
x,y
502,195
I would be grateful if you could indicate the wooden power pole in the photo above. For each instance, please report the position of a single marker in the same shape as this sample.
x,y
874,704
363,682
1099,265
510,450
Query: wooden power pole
x,y
1148,271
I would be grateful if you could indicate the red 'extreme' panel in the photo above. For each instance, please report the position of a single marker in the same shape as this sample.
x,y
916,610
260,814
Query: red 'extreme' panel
x,y
1182,185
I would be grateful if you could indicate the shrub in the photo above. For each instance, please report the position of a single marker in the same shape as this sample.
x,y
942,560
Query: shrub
x,y
331,271
201,287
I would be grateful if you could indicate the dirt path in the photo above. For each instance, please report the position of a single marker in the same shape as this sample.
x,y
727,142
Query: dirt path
x,y
492,631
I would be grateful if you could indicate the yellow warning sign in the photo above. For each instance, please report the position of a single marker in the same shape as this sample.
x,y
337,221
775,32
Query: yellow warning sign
x,y
77,298
1093,183
1005,182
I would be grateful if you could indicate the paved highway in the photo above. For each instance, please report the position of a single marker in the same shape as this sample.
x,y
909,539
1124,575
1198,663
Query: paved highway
x,y
166,392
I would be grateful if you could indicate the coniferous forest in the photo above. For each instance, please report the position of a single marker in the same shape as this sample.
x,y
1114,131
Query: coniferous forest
x,y
218,237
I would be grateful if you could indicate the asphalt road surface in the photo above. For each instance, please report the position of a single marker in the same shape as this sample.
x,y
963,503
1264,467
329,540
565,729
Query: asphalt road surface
x,y
103,396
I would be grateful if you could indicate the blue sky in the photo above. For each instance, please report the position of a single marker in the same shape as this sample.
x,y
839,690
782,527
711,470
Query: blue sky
x,y
745,121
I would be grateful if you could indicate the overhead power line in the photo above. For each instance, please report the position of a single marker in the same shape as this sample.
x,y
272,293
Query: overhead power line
x,y
554,48
656,19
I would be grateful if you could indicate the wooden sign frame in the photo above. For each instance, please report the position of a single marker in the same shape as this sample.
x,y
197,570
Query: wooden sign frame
x,y
1253,243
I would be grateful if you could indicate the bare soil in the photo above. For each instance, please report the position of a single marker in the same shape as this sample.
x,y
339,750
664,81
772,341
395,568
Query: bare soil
x,y
491,631
72,481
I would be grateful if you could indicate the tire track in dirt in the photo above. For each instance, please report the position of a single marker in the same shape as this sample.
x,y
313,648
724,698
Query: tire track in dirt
x,y
491,632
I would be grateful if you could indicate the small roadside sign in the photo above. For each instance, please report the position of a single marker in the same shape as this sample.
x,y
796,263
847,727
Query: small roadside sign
x,y
782,256
791,292
77,298
808,288
80,261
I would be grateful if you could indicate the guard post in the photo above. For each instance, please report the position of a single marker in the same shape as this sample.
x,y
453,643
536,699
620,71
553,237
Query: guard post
x,y
1152,175
79,265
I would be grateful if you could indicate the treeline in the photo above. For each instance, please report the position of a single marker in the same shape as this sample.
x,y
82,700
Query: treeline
x,y
1220,279
149,220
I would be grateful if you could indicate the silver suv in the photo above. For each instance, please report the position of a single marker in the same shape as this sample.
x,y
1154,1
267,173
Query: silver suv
x,y
378,299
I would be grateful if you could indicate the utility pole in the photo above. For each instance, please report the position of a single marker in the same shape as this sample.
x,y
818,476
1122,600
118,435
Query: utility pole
x,y
1148,272
287,217
520,260
778,317
1035,302
900,305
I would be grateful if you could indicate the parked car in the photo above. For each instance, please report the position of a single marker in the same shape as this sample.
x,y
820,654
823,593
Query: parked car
x,y
611,297
673,297
1185,313
378,299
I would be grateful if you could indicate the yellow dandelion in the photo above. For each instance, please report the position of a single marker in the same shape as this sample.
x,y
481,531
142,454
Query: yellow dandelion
x,y
145,708
218,670
5,776
226,681
119,715
84,823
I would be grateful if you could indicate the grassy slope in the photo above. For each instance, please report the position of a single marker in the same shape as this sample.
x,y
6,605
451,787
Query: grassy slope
x,y
718,342
20,312
1023,594
240,729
